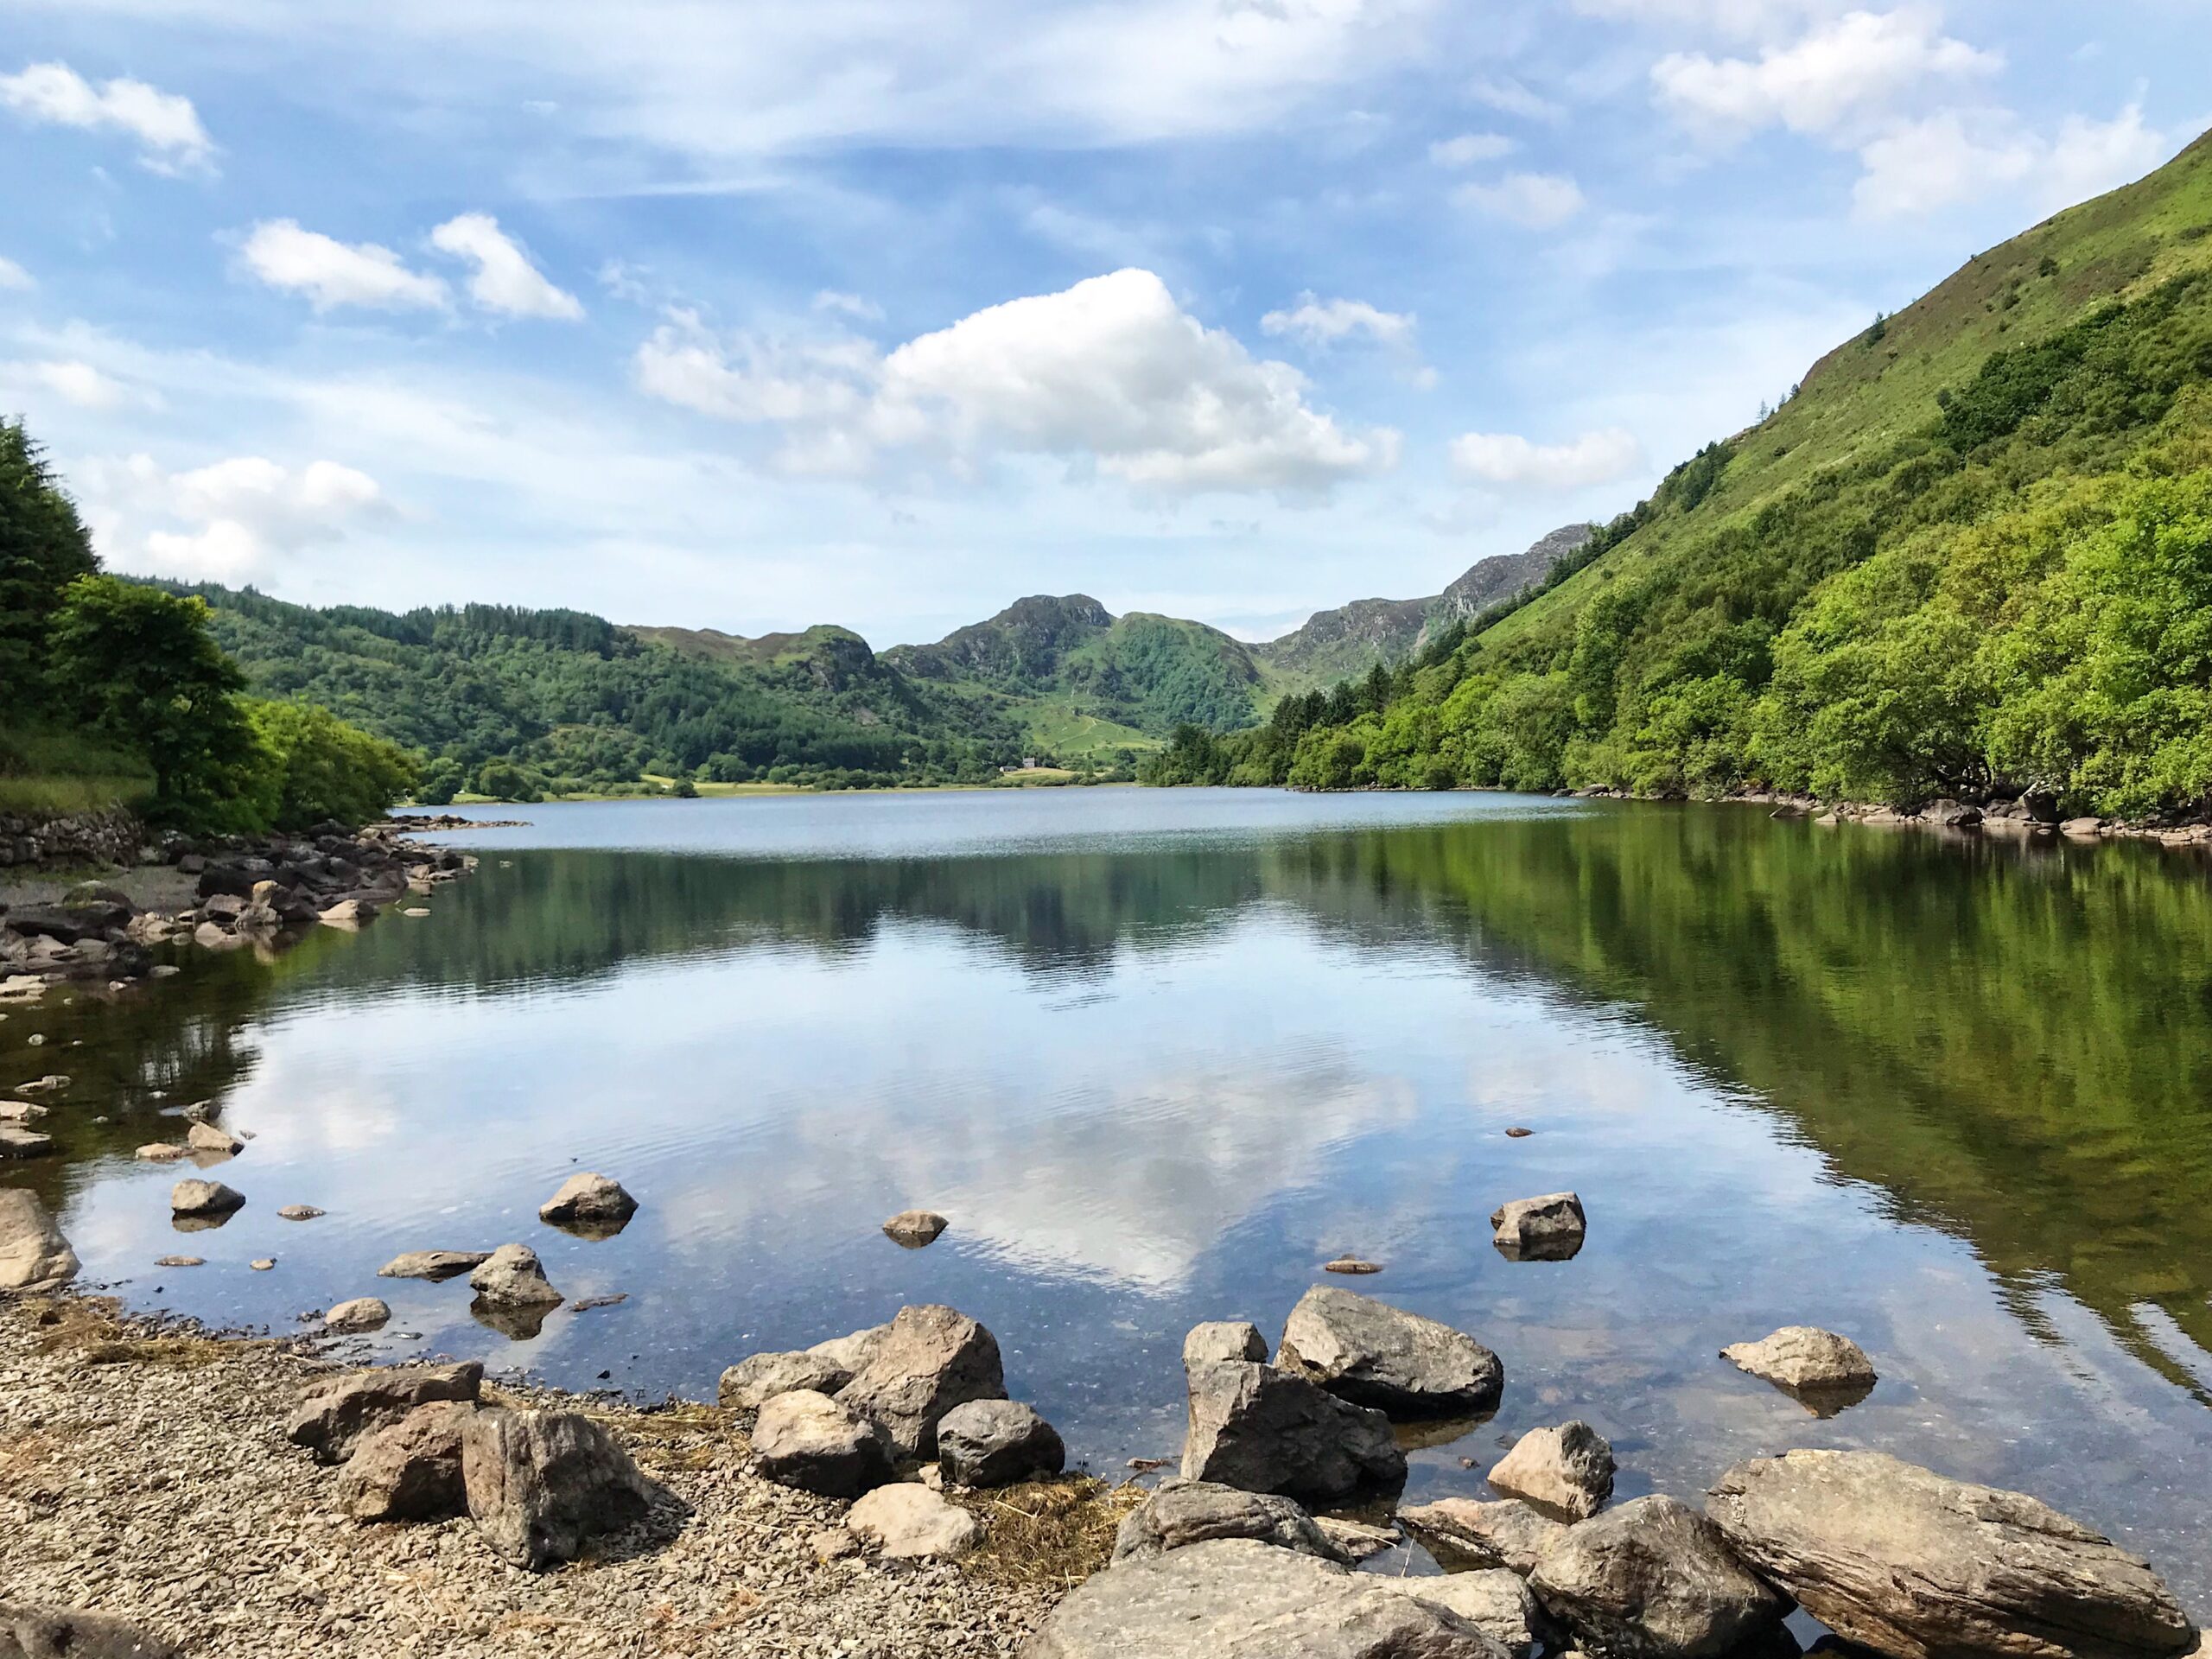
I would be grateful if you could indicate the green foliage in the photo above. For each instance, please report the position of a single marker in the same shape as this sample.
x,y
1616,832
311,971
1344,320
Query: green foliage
x,y
315,767
43,547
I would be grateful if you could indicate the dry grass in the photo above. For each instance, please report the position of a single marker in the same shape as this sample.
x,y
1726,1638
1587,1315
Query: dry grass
x,y
1047,1533
91,1329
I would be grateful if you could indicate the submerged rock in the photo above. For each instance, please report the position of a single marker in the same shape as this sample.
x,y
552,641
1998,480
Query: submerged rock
x,y
1655,1580
34,1254
1180,1513
1373,1354
1569,1469
1919,1566
543,1483
1546,1229
1267,1430
911,1522
932,1359
434,1265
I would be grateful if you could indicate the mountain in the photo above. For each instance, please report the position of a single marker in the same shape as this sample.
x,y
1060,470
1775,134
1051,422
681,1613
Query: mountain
x,y
1971,554
1345,643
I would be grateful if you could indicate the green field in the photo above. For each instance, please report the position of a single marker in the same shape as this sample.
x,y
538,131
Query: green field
x,y
45,770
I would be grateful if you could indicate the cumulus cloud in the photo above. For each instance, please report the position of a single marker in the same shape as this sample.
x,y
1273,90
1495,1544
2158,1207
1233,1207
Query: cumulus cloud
x,y
167,127
1512,462
1749,18
505,282
1923,166
238,515
331,273
1540,202
79,384
1469,148
15,277
1324,322
1837,75
1110,373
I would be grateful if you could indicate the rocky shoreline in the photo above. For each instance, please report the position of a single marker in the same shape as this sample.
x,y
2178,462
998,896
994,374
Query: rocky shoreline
x,y
2020,815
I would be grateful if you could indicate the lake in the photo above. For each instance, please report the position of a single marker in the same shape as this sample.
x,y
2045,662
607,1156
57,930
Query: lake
x,y
1158,1054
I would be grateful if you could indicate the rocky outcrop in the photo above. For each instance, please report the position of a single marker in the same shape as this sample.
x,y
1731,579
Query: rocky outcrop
x,y
932,1359
333,1414
1235,1598
1223,1339
28,1632
409,1469
1180,1513
510,1277
541,1484
589,1204
1921,1567
807,1440
1655,1580
997,1442
1569,1469
910,1522
1817,1366
1509,1534
1495,1602
34,1256
1374,1355
1267,1430
1546,1229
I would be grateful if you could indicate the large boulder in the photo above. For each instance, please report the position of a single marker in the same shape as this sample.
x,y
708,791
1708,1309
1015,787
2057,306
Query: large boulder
x,y
1223,1339
510,1277
203,1200
911,1522
409,1469
34,1256
851,1353
28,1632
807,1440
758,1378
1373,1354
1546,1229
1922,1566
1267,1430
590,1205
1509,1534
1180,1513
1238,1599
1824,1370
543,1483
1493,1600
997,1442
934,1358
1569,1469
332,1414
1655,1580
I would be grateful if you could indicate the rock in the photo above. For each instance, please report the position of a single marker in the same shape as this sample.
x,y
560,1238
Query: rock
x,y
161,1151
333,1413
1358,1540
204,1198
1491,1600
1223,1339
1655,1580
1507,1535
1374,1355
1922,1566
1569,1469
759,1378
1178,1513
205,1137
362,1313
1951,815
833,1544
911,1522
591,1205
1351,1264
806,1439
510,1277
34,1256
2081,828
852,1353
348,912
264,1264
1267,1430
437,1266
543,1483
1517,1133
180,1261
51,1083
300,1212
1819,1367
933,1358
28,1632
17,1141
1238,1599
915,1228
1548,1228
409,1469
22,1111
997,1442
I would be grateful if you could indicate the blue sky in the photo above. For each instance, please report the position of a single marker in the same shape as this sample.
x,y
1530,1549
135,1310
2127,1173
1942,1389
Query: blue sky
x,y
885,314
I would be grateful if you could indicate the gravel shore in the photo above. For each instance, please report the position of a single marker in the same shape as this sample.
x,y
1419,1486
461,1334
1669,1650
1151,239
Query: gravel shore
x,y
145,1473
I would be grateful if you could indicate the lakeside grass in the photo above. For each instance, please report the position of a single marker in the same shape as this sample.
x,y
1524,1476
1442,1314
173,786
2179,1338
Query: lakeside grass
x,y
52,771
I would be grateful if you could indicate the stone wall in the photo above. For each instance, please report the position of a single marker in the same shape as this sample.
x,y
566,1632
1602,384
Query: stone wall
x,y
74,839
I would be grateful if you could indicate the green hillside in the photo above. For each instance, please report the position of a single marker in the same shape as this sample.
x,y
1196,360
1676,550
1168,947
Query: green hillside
x,y
520,703
1974,552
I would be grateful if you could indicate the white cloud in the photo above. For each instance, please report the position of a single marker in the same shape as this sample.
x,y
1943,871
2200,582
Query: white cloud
x,y
1511,97
1841,74
332,273
242,514
1540,202
14,276
504,281
1513,462
1469,148
1752,19
1110,373
1324,322
853,305
167,127
1925,166
79,384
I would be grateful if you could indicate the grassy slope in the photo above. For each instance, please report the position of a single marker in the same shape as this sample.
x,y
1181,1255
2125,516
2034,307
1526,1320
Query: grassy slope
x,y
1859,398
48,770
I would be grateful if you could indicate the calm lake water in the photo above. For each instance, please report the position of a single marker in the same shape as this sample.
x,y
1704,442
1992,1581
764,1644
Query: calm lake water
x,y
1159,1054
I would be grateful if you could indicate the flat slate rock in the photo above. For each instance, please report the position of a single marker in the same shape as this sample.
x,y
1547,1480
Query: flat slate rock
x,y
1238,1599
28,1632
1921,1567
1373,1354
1504,1533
